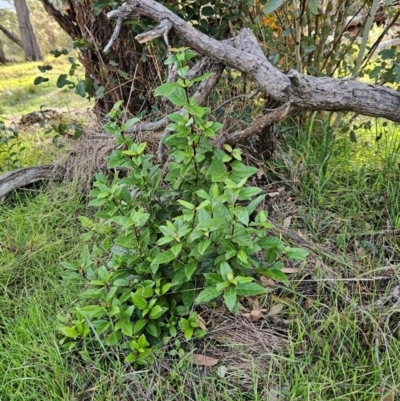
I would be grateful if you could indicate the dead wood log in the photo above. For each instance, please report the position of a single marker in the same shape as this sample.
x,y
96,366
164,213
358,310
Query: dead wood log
x,y
299,91
23,177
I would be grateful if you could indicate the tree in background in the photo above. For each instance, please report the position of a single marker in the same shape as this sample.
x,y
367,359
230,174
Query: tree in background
x,y
8,24
2,55
28,35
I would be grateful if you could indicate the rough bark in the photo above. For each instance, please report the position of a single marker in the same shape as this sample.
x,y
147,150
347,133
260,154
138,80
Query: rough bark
x,y
30,43
20,178
78,21
3,59
11,36
300,91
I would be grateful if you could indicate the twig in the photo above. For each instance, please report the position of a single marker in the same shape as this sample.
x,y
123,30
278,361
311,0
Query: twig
x,y
377,45
132,86
249,96
270,118
115,34
162,29
95,45
160,149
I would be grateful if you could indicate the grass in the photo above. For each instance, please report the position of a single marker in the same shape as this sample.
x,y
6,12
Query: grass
x,y
353,184
19,95
33,144
36,231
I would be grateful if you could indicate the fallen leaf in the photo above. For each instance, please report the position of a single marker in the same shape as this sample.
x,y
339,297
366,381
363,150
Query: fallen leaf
x,y
204,360
267,282
300,234
360,251
308,304
290,270
287,221
273,194
260,173
256,304
257,313
275,309
200,321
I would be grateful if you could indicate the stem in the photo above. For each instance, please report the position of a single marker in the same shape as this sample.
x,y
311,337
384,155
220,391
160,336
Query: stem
x,y
297,25
137,243
367,29
117,206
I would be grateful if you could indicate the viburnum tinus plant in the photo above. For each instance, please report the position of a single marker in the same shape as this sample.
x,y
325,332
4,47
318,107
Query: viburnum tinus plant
x,y
186,237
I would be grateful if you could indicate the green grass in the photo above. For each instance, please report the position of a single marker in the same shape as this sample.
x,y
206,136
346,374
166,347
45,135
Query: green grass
x,y
19,95
27,149
36,233
344,185
336,351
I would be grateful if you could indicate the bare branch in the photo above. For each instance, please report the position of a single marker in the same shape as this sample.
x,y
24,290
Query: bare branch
x,y
161,29
258,125
115,34
201,94
10,35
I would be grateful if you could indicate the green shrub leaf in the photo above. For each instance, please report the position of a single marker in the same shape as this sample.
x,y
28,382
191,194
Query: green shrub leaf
x,y
272,5
230,298
249,289
207,295
163,257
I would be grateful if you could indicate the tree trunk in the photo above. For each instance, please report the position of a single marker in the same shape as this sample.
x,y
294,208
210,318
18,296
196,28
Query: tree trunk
x,y
3,59
28,36
121,71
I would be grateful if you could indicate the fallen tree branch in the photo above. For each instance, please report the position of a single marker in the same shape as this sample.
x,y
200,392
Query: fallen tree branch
x,y
301,91
270,118
205,64
23,177
201,94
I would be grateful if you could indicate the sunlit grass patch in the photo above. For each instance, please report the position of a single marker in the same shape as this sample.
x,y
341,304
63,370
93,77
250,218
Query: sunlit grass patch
x,y
31,144
19,95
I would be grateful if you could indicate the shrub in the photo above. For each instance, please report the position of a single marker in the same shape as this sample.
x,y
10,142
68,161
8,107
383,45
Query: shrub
x,y
175,239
